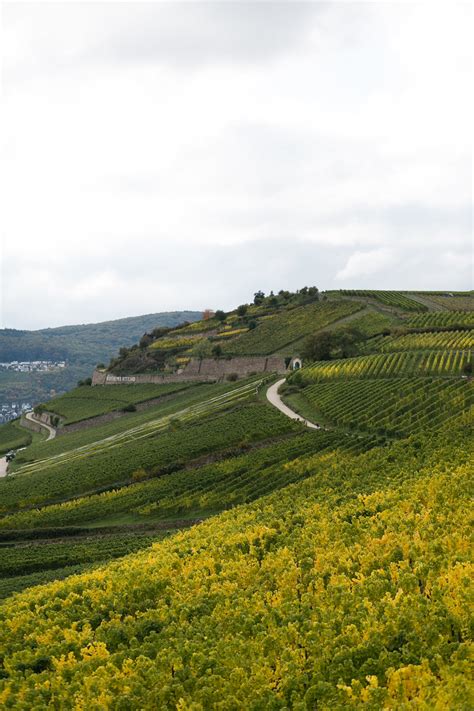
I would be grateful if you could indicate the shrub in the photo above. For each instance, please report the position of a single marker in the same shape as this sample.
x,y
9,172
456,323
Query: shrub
x,y
232,377
139,474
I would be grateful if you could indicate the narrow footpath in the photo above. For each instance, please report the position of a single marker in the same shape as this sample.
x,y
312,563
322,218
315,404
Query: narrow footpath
x,y
274,398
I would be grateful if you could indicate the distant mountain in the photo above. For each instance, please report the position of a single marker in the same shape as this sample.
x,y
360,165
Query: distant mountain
x,y
82,346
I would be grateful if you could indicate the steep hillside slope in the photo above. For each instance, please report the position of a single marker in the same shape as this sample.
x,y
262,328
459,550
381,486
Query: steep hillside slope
x,y
261,564
343,591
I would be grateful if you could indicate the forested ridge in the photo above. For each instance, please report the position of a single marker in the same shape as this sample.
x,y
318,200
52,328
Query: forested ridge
x,y
82,346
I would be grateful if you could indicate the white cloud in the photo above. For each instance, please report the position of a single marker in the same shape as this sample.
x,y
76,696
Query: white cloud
x,y
337,131
362,264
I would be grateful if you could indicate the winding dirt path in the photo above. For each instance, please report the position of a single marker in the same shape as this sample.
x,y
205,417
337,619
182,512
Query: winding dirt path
x,y
3,467
274,398
51,431
51,435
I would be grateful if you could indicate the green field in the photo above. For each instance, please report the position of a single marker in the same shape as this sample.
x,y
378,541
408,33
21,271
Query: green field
x,y
193,492
182,400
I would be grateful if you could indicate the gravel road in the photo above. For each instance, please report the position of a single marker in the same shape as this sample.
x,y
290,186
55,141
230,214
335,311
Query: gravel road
x,y
276,401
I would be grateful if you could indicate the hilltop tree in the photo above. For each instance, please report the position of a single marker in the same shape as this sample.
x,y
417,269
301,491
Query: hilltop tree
x,y
258,297
272,299
242,310
220,315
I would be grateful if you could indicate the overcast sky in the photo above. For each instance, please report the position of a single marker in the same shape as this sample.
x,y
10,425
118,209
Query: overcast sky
x,y
182,155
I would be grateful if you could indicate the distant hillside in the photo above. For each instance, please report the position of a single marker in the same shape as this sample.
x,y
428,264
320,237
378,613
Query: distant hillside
x,y
82,346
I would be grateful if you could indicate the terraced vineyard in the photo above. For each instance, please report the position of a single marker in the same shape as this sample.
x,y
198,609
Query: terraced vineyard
x,y
394,299
455,302
84,402
146,450
198,491
284,328
391,365
457,340
88,436
269,566
442,318
392,407
177,341
348,589
370,323
35,562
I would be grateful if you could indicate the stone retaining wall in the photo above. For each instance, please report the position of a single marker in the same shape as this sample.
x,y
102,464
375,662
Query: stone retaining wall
x,y
29,425
35,425
205,370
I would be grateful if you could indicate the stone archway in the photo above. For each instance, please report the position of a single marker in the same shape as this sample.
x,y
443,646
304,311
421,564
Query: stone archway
x,y
296,363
